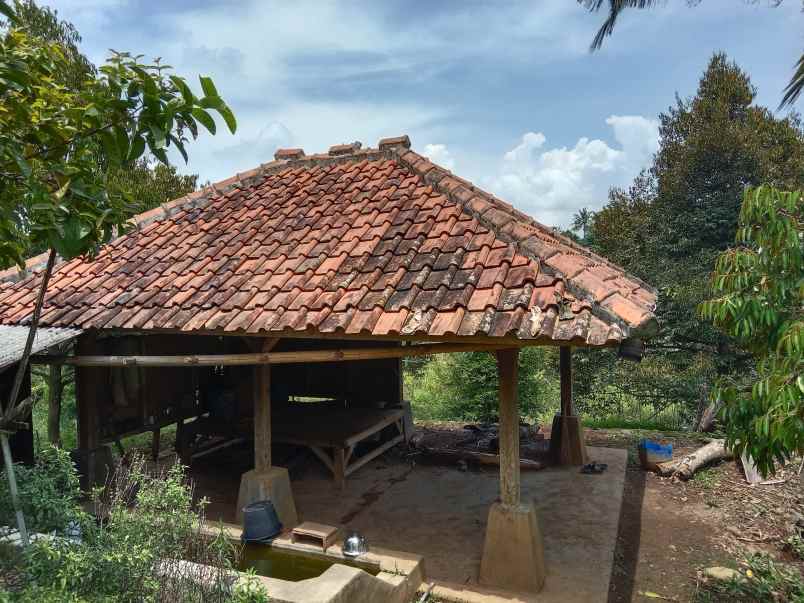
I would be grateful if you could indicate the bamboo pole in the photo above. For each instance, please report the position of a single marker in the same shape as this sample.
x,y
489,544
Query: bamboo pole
x,y
340,355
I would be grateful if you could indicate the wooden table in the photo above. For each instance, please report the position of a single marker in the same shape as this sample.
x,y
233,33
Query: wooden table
x,y
333,433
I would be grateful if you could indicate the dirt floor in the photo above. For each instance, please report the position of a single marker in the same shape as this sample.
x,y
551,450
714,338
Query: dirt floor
x,y
671,530
668,530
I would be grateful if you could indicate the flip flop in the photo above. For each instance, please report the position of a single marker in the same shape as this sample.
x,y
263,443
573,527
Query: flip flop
x,y
594,467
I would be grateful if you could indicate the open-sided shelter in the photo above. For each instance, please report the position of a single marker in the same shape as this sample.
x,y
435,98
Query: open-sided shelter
x,y
309,278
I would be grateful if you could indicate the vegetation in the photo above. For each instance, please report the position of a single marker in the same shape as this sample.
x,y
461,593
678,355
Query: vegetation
x,y
762,579
59,142
464,387
146,525
759,286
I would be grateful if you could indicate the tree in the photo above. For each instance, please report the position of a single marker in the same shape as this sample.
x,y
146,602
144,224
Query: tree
x,y
617,7
759,288
54,137
675,219
581,221
149,182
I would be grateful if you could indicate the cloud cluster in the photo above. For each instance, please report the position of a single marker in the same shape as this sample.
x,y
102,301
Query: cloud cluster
x,y
553,183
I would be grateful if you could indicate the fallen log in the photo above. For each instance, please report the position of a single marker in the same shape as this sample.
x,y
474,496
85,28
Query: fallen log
x,y
686,467
482,458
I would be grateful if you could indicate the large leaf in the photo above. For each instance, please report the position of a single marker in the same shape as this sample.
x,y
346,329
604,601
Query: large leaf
x,y
204,118
208,87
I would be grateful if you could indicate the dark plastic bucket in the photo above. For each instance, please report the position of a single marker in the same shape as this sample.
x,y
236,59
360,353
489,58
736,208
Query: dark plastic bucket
x,y
260,522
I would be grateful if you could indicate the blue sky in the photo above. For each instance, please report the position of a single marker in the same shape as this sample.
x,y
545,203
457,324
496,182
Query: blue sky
x,y
505,94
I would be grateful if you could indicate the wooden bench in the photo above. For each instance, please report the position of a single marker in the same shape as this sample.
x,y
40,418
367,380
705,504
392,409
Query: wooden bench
x,y
333,433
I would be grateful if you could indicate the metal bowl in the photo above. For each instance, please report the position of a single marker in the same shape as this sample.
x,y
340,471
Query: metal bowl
x,y
355,545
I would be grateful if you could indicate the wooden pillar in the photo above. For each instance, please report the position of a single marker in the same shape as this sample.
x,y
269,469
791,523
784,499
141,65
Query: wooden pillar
x,y
266,481
262,411
507,365
55,388
513,554
262,417
86,396
567,445
565,370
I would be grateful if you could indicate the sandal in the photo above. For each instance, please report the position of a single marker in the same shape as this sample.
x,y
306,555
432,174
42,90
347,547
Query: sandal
x,y
594,467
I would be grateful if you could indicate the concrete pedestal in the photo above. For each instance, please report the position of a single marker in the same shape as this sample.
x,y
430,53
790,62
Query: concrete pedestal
x,y
272,484
567,446
513,554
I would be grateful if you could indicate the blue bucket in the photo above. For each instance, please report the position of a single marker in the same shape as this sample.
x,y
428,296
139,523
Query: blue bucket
x,y
652,453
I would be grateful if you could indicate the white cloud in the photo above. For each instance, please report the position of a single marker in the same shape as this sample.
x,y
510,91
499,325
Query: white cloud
x,y
438,153
552,184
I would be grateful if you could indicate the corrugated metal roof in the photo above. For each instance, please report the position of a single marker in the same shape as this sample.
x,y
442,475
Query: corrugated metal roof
x,y
12,341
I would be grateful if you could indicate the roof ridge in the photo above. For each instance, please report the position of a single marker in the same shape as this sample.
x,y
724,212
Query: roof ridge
x,y
519,229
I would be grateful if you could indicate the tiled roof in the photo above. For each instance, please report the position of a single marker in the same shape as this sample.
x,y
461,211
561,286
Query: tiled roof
x,y
12,341
356,241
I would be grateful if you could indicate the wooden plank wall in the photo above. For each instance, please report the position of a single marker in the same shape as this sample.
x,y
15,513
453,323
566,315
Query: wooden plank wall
x,y
131,399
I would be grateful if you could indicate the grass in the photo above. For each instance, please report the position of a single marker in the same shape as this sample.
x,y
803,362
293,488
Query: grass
x,y
627,423
706,479
762,580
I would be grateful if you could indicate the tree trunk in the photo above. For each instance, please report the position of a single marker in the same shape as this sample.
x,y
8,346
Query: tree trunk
x,y
55,388
686,467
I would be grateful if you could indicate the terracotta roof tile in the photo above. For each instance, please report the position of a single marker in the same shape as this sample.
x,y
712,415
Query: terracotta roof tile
x,y
378,241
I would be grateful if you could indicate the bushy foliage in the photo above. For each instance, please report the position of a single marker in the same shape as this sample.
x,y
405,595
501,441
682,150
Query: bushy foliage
x,y
49,491
465,386
759,289
147,527
670,225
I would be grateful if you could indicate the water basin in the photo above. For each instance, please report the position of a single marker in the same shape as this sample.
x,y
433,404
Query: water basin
x,y
288,565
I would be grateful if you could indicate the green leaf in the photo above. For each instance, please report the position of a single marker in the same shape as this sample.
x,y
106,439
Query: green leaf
x,y
137,148
229,118
204,118
208,87
8,12
159,139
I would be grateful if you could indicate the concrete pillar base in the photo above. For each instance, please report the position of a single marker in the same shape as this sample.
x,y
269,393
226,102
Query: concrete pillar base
x,y
513,555
567,446
272,484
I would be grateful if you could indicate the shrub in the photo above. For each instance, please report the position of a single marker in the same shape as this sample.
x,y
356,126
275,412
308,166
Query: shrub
x,y
147,529
49,492
464,386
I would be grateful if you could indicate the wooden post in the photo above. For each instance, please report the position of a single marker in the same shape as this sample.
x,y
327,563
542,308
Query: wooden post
x,y
513,555
262,412
155,441
567,445
565,369
507,365
86,396
55,388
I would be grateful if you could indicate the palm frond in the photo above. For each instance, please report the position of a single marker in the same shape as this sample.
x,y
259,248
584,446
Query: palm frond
x,y
796,85
615,8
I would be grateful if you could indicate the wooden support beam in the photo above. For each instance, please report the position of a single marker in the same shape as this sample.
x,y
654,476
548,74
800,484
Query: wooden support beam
x,y
86,396
507,369
55,389
264,358
262,413
565,370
